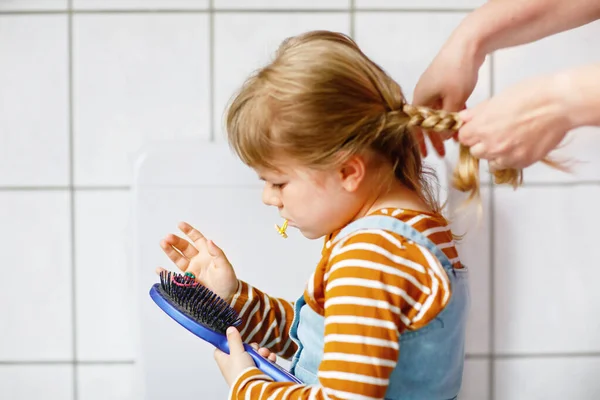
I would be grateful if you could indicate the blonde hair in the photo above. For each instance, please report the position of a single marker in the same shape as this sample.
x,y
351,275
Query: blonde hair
x,y
322,97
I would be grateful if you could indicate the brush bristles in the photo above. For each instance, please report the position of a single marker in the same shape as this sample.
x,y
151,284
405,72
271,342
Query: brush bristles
x,y
198,302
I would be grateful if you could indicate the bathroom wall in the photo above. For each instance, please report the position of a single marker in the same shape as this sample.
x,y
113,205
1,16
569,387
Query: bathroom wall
x,y
85,83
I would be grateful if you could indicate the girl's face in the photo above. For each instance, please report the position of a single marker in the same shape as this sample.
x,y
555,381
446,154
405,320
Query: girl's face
x,y
317,202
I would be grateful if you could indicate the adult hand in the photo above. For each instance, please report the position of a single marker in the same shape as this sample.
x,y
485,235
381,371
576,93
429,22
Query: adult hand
x,y
519,126
447,84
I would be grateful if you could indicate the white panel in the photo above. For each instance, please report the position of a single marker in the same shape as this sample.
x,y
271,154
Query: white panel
x,y
137,79
231,213
103,382
104,286
546,270
35,300
34,148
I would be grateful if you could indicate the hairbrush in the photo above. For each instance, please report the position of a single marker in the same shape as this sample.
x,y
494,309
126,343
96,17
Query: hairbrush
x,y
207,316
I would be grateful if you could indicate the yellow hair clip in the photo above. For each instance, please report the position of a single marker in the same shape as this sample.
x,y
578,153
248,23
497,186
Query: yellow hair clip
x,y
282,229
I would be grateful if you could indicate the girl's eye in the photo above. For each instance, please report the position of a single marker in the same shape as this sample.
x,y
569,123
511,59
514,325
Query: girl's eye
x,y
278,185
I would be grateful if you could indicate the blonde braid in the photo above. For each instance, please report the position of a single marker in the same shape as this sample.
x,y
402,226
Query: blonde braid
x,y
432,120
466,174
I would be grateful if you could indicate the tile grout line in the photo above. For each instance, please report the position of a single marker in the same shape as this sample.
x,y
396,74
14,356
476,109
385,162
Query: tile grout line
x,y
65,188
468,356
73,363
211,71
211,10
492,237
353,19
543,185
72,197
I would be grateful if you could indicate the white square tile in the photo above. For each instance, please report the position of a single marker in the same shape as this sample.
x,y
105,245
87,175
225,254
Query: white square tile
x,y
547,378
238,54
36,315
105,314
101,382
282,4
549,55
34,106
137,79
423,4
474,251
32,5
546,270
28,382
140,4
476,380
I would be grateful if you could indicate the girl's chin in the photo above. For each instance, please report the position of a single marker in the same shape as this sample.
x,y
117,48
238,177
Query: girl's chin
x,y
310,235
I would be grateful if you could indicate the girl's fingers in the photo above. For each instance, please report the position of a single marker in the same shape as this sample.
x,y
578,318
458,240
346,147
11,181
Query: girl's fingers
x,y
263,351
182,245
192,233
175,256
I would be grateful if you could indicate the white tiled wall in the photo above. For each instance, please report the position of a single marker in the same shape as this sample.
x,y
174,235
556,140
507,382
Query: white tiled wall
x,y
82,91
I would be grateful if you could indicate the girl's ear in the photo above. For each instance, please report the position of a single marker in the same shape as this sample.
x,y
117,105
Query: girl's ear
x,y
352,172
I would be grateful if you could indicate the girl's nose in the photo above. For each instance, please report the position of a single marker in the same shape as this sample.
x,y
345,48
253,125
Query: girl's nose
x,y
270,196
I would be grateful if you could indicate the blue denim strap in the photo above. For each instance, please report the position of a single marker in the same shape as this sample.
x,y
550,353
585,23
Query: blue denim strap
x,y
401,228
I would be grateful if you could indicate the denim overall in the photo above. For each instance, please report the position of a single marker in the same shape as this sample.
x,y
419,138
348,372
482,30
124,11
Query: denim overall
x,y
430,364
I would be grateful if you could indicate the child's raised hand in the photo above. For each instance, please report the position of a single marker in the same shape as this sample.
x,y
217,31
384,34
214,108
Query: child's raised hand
x,y
202,258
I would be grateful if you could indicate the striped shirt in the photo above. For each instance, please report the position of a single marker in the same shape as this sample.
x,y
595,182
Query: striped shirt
x,y
370,286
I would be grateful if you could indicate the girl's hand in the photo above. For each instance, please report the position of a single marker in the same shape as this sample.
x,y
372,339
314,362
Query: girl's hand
x,y
238,360
203,258
263,351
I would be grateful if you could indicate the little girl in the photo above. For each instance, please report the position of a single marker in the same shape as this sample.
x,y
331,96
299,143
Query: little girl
x,y
383,315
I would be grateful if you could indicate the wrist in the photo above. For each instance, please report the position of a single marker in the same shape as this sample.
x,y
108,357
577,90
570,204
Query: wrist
x,y
233,296
470,42
567,93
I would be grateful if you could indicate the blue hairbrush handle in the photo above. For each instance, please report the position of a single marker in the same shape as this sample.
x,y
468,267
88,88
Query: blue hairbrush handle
x,y
276,372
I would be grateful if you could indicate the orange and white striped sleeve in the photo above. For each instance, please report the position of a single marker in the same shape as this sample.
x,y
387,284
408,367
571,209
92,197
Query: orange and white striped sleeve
x,y
376,286
265,320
